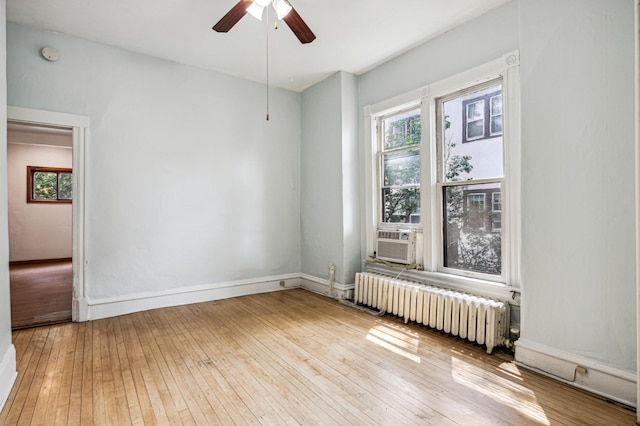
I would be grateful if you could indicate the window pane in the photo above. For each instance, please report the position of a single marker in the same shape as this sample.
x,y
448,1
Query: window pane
x,y
401,168
401,205
44,185
402,130
472,229
475,110
467,148
475,129
496,125
496,105
64,186
496,201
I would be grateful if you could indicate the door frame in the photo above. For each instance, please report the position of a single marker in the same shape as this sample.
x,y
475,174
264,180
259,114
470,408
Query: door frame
x,y
80,127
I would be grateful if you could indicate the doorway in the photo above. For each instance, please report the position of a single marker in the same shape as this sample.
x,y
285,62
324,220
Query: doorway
x,y
77,127
39,168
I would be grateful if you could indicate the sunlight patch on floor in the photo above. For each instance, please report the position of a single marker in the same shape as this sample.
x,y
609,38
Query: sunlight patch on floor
x,y
504,391
396,341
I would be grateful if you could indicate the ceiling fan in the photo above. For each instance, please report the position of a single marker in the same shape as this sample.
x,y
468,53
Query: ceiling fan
x,y
283,9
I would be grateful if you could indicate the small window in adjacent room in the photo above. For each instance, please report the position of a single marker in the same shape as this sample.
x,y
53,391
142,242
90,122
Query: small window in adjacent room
x,y
48,185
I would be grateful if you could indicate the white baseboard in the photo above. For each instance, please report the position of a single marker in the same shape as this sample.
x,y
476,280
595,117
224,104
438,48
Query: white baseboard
x,y
111,307
8,374
322,286
610,382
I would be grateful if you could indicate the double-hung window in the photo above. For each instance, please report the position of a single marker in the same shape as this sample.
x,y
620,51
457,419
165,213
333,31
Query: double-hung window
x,y
470,177
399,138
445,164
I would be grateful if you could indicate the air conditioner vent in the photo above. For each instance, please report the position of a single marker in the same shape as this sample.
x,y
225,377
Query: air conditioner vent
x,y
396,246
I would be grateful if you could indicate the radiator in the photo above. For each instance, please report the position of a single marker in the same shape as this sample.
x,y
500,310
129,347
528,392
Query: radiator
x,y
477,319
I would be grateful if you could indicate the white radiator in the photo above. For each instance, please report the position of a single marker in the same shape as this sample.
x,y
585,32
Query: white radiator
x,y
477,319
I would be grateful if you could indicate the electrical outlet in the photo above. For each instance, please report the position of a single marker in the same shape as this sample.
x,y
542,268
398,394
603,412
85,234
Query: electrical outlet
x,y
582,370
282,283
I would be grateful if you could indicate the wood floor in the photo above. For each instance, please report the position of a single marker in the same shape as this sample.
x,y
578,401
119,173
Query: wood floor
x,y
289,357
41,293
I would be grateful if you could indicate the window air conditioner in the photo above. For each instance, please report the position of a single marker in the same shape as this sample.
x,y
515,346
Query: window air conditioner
x,y
396,246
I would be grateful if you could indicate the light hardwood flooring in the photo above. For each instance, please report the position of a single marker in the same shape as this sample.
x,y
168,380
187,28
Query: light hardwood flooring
x,y
290,357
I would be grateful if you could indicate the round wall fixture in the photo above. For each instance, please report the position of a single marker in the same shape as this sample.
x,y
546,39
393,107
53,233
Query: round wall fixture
x,y
50,54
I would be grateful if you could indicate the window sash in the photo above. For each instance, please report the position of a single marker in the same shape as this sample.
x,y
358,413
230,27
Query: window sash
x,y
475,120
496,200
398,158
495,115
479,223
476,232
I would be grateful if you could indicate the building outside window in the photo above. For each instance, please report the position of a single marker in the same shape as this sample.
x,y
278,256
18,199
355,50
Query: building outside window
x,y
482,116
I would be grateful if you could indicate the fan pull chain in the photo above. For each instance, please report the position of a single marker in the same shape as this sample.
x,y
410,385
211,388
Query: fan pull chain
x,y
267,65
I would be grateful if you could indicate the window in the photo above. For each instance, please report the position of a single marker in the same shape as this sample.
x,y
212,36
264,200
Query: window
x,y
482,116
441,161
48,185
496,211
495,118
398,155
474,209
468,175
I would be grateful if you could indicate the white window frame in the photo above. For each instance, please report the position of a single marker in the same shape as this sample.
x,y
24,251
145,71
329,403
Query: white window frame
x,y
380,152
430,250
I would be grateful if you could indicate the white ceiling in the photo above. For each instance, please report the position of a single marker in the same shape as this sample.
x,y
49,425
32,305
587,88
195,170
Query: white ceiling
x,y
352,35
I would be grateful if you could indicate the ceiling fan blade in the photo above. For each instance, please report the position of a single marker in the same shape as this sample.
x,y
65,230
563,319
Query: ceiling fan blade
x,y
233,16
299,27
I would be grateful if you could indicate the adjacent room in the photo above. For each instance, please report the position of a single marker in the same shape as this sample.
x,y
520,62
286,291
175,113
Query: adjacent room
x,y
304,212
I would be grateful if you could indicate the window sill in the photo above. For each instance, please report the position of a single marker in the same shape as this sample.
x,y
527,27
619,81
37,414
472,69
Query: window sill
x,y
484,288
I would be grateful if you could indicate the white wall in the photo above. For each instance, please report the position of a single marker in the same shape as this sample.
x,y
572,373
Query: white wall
x,y
187,184
578,268
321,178
36,230
476,42
7,351
351,160
330,181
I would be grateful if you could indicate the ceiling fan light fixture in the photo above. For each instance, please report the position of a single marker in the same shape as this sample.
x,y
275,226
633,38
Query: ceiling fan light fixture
x,y
282,8
255,10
